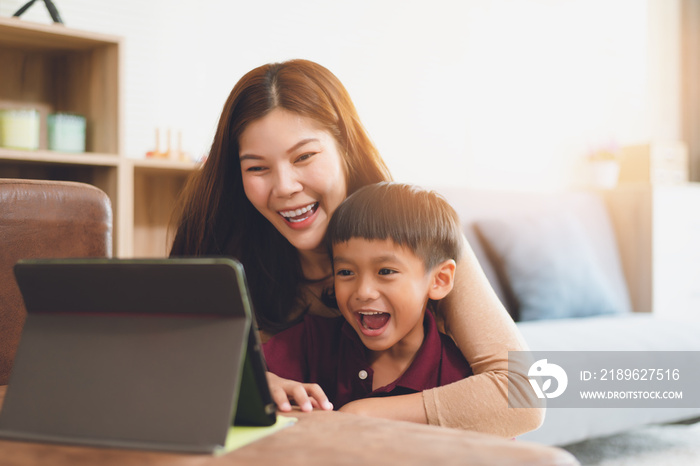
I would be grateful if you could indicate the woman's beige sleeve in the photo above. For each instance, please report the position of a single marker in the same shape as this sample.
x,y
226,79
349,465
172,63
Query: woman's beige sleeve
x,y
484,332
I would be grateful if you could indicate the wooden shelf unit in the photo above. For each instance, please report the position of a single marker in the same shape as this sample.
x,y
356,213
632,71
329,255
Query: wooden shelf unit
x,y
156,186
57,69
660,252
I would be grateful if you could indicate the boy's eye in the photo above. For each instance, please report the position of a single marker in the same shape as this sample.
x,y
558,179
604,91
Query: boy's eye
x,y
386,271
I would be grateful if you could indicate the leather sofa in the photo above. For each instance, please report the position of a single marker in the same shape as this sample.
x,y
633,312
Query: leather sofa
x,y
44,219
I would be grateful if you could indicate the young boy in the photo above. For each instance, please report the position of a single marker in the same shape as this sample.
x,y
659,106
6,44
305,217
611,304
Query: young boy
x,y
394,249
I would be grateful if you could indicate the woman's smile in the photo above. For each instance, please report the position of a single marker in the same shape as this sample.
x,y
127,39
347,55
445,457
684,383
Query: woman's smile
x,y
296,216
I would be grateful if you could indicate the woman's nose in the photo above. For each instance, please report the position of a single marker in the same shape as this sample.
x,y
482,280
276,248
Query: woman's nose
x,y
287,182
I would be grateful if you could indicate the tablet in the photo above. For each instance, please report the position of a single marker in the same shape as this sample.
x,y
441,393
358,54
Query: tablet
x,y
142,353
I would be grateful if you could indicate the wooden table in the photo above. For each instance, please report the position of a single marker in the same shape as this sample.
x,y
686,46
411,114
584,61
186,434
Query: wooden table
x,y
323,438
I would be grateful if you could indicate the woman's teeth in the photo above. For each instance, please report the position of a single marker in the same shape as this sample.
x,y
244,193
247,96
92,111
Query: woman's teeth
x,y
291,214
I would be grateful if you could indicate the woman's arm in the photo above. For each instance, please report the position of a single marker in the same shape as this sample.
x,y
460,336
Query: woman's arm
x,y
484,332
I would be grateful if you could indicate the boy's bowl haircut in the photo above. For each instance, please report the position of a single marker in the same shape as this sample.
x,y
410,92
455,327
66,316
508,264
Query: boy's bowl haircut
x,y
411,216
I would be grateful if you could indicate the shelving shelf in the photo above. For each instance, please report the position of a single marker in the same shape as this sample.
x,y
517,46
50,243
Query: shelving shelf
x,y
56,69
161,165
51,157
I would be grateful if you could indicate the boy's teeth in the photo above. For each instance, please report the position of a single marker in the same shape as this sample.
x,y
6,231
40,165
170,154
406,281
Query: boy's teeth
x,y
373,320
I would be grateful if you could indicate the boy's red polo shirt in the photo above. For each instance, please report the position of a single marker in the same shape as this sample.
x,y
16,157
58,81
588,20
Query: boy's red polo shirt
x,y
328,351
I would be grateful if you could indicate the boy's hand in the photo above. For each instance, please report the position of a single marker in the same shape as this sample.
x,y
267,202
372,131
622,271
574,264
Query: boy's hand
x,y
306,395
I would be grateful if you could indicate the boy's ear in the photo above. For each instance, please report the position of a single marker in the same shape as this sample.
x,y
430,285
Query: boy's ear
x,y
443,278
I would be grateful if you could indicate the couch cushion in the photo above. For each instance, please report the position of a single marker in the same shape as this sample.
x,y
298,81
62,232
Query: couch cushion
x,y
475,205
549,266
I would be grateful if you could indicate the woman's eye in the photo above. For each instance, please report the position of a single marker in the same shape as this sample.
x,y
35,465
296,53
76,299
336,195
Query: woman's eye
x,y
387,271
343,273
255,169
305,157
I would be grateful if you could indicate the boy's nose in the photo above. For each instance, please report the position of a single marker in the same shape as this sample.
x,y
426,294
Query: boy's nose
x,y
366,290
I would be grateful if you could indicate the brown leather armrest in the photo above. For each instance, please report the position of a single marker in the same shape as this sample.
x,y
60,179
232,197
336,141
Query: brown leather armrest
x,y
44,219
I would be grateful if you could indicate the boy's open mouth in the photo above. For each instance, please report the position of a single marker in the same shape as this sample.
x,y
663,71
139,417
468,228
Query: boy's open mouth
x,y
372,321
299,215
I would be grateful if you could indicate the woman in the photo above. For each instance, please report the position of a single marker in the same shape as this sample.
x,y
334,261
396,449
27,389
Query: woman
x,y
288,149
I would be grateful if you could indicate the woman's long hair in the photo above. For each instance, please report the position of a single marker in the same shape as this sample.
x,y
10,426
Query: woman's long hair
x,y
214,215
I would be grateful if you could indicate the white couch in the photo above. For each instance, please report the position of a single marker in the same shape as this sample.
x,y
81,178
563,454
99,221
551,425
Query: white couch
x,y
625,330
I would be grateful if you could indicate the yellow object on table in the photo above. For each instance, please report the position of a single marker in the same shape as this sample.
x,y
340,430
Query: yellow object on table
x,y
239,436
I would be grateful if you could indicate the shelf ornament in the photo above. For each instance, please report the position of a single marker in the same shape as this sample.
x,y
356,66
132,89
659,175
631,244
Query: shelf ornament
x,y
53,11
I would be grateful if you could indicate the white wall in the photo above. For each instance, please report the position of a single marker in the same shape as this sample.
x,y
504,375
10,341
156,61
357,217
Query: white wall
x,y
489,93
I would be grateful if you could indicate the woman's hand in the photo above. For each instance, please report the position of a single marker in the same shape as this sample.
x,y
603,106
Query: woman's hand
x,y
307,396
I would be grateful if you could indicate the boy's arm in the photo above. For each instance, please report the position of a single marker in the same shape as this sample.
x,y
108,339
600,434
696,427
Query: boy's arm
x,y
400,408
286,358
